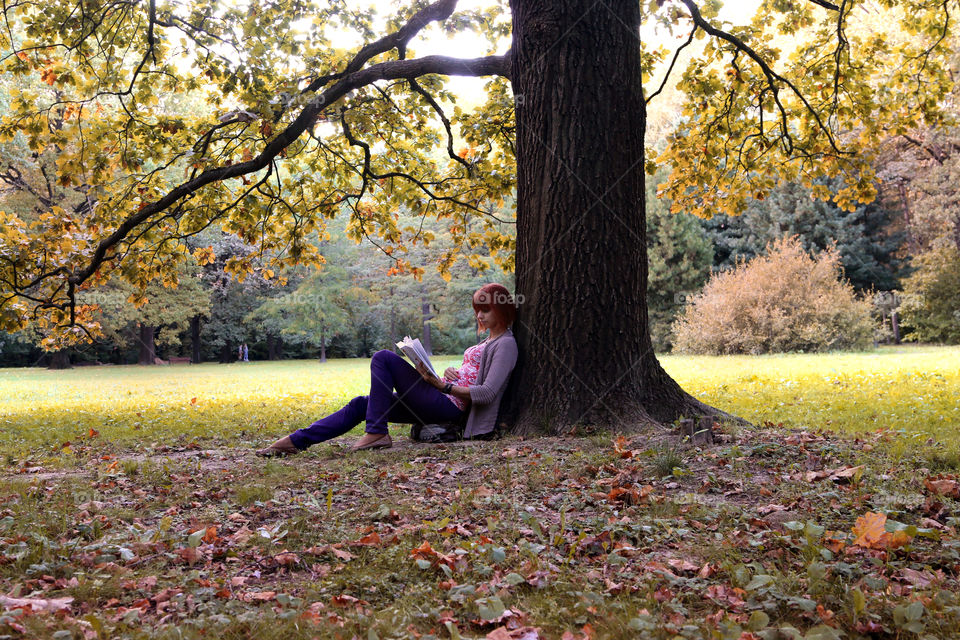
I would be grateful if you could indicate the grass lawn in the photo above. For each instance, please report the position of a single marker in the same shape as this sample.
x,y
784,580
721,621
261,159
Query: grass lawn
x,y
914,392
131,506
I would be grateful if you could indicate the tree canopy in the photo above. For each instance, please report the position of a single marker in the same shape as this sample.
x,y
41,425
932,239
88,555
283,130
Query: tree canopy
x,y
286,129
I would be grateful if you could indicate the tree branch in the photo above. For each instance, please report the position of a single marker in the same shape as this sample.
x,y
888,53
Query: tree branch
x,y
825,5
392,70
773,78
676,55
436,12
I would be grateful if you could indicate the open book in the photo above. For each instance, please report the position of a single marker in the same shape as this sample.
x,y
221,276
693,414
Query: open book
x,y
415,351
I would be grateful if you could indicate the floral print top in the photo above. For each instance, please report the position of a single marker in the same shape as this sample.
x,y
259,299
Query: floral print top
x,y
468,371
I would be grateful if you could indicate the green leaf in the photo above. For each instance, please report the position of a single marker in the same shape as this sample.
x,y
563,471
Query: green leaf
x,y
513,579
452,630
816,570
491,608
822,632
196,537
758,620
915,611
859,601
759,581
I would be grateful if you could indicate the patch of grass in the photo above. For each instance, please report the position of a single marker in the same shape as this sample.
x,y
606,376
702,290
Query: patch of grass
x,y
910,392
157,537
250,493
666,459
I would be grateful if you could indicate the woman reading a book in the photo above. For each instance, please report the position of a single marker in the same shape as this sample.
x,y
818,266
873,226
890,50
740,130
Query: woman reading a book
x,y
401,393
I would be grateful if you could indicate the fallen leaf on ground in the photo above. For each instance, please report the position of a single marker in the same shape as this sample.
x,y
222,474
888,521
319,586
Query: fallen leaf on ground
x,y
870,531
36,604
258,596
944,485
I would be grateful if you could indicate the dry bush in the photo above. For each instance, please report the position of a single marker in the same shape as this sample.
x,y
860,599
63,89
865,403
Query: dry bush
x,y
783,301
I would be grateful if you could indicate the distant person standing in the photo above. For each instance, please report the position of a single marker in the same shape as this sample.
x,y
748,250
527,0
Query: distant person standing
x,y
246,354
239,352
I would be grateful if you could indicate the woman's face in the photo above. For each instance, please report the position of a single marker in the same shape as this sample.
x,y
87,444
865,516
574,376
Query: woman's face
x,y
487,317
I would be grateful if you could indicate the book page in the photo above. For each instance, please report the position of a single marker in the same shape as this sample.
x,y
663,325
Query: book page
x,y
413,349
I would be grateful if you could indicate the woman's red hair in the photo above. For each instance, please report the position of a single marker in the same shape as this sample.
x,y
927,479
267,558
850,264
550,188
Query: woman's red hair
x,y
498,298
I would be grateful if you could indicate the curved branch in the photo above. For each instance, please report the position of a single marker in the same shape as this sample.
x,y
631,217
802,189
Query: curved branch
x,y
392,70
436,12
673,62
772,79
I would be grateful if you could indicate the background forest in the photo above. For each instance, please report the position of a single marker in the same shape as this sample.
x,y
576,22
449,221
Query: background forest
x,y
899,253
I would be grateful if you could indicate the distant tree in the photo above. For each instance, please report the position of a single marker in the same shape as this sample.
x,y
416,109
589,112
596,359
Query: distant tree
x,y
931,296
921,176
158,317
867,239
680,257
234,294
315,311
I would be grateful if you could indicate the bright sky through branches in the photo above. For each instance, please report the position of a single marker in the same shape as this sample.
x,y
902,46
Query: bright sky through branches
x,y
433,41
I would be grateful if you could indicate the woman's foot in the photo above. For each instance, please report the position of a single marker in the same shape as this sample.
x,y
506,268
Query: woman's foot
x,y
282,447
373,441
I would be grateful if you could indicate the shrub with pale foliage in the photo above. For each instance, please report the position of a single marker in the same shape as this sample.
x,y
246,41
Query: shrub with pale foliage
x,y
785,300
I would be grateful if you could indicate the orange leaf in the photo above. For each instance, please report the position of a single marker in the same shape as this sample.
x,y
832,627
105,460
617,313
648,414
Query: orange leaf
x,y
93,433
368,540
620,447
872,534
193,401
210,535
286,558
869,529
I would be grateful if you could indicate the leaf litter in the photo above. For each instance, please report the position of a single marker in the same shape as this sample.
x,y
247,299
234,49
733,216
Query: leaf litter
x,y
771,533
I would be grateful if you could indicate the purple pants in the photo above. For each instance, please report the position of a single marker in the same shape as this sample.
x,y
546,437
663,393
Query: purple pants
x,y
414,401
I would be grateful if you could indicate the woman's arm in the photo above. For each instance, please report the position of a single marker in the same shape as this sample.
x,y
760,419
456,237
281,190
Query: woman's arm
x,y
504,359
456,390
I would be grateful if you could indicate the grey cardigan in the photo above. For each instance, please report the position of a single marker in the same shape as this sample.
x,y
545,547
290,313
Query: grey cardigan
x,y
496,363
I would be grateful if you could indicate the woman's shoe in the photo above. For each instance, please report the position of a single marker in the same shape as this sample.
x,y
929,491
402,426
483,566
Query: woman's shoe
x,y
373,441
282,447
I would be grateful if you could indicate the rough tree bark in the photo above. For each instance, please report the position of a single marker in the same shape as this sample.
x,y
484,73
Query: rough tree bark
x,y
148,351
195,339
274,346
586,353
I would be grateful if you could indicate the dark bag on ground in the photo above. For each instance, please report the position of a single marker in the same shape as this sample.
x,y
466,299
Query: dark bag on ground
x,y
444,432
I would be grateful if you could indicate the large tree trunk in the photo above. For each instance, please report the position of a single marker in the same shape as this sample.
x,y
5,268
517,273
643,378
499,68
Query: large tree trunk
x,y
59,360
586,353
274,345
148,350
195,339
